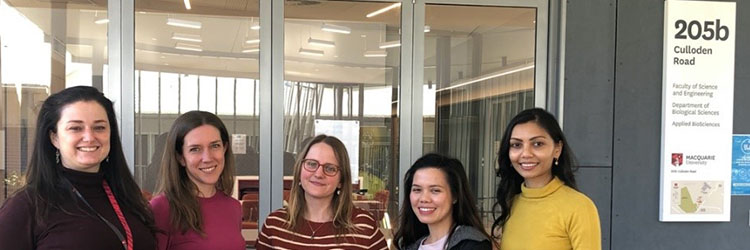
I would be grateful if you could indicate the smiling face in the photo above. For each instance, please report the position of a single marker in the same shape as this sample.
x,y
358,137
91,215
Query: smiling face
x,y
82,137
532,153
431,199
203,158
317,184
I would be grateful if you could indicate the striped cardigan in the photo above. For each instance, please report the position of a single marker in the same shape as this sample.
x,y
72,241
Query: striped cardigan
x,y
275,235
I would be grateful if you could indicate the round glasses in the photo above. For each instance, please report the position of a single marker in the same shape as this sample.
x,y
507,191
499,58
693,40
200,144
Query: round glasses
x,y
313,165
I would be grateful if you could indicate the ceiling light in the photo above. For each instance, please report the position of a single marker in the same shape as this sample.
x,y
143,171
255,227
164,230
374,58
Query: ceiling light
x,y
101,21
391,44
185,46
375,53
255,26
426,28
336,28
488,76
183,23
321,43
311,52
187,37
380,11
251,41
187,4
251,50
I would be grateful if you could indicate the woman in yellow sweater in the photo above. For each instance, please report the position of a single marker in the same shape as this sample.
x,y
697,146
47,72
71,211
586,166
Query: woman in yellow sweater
x,y
540,206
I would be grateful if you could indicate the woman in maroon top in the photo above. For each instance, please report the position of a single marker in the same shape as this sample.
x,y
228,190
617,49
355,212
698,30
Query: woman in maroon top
x,y
79,193
195,210
321,214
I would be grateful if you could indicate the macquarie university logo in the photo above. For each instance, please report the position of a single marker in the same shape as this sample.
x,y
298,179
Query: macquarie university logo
x,y
677,159
745,146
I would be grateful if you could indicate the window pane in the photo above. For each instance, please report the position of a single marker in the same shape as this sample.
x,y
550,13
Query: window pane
x,y
188,93
245,96
149,92
169,92
225,94
207,93
44,48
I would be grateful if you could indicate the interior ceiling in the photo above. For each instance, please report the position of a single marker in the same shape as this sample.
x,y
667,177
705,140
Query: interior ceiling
x,y
226,27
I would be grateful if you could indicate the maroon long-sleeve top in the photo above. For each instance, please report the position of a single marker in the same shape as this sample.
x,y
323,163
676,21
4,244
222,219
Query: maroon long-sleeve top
x,y
83,231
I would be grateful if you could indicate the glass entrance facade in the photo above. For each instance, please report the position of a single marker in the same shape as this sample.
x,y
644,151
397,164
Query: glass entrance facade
x,y
453,72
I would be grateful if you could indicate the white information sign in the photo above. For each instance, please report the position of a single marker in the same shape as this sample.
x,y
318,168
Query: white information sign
x,y
239,144
697,103
348,133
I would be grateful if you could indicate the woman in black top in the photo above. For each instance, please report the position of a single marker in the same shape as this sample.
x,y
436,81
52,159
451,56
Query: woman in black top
x,y
439,210
79,193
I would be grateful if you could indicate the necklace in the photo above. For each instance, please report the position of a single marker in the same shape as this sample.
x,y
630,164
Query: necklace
x,y
309,224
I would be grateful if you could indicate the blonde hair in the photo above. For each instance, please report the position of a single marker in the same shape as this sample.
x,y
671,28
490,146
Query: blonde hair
x,y
184,210
342,200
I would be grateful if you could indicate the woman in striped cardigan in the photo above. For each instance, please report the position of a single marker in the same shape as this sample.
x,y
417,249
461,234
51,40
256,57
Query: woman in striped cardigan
x,y
321,214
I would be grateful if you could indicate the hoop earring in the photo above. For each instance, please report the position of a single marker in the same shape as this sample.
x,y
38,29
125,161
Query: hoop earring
x,y
57,156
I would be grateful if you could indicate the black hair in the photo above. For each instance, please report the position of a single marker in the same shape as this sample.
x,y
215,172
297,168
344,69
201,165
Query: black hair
x,y
463,212
511,180
45,187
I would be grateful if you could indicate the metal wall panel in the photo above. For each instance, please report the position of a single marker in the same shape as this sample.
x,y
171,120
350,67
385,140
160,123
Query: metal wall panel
x,y
596,183
637,123
589,80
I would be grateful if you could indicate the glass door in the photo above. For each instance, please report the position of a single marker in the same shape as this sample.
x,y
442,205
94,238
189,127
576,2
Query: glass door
x,y
479,64
199,55
341,71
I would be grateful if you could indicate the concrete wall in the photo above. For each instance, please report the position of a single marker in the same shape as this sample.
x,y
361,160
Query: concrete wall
x,y
612,117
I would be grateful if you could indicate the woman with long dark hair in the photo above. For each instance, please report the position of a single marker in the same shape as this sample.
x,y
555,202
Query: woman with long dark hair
x,y
442,212
194,209
79,193
540,207
321,213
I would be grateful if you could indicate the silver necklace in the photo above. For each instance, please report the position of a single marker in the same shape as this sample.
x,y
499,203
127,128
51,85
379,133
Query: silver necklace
x,y
309,224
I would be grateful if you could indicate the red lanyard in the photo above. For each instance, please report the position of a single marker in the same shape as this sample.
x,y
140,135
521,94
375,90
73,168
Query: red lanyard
x,y
120,216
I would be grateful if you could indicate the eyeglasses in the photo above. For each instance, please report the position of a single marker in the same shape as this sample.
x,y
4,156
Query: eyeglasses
x,y
312,166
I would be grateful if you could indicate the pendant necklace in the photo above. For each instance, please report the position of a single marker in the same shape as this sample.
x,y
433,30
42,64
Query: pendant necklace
x,y
309,223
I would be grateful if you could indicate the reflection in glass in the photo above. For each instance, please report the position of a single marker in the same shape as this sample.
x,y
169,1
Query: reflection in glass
x,y
478,73
335,69
44,47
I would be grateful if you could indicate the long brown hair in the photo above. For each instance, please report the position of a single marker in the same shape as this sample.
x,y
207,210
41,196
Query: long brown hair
x,y
184,210
342,199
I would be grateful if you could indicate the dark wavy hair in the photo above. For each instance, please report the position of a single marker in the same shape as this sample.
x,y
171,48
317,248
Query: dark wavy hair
x,y
464,211
181,192
44,181
510,180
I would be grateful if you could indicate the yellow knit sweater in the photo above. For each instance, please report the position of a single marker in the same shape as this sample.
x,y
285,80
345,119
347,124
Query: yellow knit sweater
x,y
554,217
